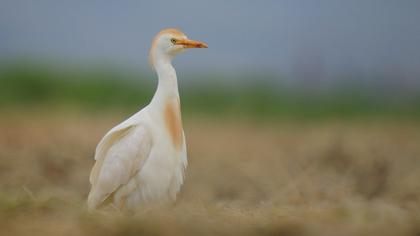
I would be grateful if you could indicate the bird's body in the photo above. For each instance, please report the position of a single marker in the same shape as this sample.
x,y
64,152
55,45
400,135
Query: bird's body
x,y
142,160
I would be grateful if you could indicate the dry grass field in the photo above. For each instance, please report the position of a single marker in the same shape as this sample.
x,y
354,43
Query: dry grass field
x,y
244,178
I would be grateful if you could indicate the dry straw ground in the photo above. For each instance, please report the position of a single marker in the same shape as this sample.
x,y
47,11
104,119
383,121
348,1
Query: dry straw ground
x,y
244,178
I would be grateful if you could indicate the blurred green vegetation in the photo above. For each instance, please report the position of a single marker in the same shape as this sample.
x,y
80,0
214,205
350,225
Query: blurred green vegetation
x,y
101,88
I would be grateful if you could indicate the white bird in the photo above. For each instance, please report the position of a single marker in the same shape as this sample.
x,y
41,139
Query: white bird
x,y
141,161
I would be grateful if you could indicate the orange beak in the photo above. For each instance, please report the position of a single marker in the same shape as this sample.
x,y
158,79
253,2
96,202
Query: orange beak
x,y
187,43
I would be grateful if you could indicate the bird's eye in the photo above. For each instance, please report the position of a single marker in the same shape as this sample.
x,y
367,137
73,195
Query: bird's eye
x,y
173,40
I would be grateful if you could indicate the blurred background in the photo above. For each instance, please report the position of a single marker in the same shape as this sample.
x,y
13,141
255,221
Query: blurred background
x,y
320,101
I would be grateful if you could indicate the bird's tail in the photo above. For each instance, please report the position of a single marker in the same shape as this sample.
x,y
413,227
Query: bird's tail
x,y
94,200
97,198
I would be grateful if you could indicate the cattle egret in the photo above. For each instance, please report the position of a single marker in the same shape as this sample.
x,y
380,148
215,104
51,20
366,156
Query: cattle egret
x,y
141,161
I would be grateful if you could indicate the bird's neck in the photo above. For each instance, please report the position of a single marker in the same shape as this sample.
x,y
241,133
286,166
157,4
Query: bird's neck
x,y
167,89
165,105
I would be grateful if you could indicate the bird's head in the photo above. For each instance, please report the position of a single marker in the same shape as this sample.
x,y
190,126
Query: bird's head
x,y
170,42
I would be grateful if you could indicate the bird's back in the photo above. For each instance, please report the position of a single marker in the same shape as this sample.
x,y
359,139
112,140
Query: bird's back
x,y
136,163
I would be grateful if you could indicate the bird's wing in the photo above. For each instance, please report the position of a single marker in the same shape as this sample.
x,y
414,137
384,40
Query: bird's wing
x,y
119,155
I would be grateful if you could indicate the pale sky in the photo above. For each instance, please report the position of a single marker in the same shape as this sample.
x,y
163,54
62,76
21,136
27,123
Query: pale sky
x,y
358,36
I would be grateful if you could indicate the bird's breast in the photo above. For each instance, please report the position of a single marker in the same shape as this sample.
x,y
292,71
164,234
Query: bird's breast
x,y
173,122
